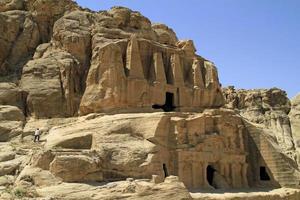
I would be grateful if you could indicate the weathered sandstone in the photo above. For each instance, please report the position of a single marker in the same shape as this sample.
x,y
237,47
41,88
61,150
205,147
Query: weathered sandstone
x,y
127,110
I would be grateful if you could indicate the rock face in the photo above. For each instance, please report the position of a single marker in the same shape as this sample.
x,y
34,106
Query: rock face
x,y
269,108
157,144
295,119
25,25
99,62
11,122
127,107
171,188
268,114
295,123
10,94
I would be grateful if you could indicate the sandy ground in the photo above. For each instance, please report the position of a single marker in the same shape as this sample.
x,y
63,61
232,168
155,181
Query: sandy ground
x,y
248,194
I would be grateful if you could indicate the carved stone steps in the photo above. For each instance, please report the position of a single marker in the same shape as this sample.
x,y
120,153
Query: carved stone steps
x,y
277,162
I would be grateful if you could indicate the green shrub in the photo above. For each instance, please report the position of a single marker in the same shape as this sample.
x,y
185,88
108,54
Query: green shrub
x,y
20,192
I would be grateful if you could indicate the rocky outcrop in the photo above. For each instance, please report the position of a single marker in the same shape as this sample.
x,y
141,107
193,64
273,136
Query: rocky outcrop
x,y
268,107
36,176
52,85
278,194
10,94
72,72
158,143
84,62
295,123
11,122
295,119
9,161
19,38
25,25
171,188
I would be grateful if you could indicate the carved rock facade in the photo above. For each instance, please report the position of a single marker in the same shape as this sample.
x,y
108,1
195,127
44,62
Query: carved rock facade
x,y
72,72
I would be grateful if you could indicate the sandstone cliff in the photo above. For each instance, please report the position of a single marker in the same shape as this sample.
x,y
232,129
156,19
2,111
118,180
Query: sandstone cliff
x,y
295,118
127,110
268,107
67,61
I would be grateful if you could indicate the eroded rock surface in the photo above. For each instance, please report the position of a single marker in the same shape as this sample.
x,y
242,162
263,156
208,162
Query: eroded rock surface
x,y
295,118
11,122
84,62
72,73
268,107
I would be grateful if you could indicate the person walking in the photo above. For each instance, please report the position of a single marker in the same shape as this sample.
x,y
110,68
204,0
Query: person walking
x,y
37,133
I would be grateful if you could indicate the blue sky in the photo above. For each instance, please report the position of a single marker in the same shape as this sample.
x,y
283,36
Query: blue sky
x,y
254,43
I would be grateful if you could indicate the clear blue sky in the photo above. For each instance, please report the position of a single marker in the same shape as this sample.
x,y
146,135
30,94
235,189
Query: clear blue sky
x,y
254,43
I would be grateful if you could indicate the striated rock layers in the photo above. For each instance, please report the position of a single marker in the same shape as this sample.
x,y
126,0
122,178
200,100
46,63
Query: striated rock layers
x,y
269,114
127,110
71,61
295,118
268,107
295,123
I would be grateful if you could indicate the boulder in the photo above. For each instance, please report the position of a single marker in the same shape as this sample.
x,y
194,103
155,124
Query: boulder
x,y
6,180
11,122
37,177
7,5
11,113
10,94
76,168
9,167
165,34
43,159
5,156
10,129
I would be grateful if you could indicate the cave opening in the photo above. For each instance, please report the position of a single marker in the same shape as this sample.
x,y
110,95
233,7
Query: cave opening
x,y
210,174
165,170
263,174
169,103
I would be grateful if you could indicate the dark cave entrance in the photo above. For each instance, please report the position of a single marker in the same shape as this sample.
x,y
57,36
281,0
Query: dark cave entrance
x,y
263,174
165,170
169,103
210,174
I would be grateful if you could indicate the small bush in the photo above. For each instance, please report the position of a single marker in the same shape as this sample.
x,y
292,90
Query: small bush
x,y
20,192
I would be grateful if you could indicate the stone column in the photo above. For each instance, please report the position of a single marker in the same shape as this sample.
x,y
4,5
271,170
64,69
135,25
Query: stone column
x,y
197,174
241,138
205,183
159,68
233,175
211,74
180,165
197,75
189,174
222,169
227,173
236,175
244,175
133,59
177,70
